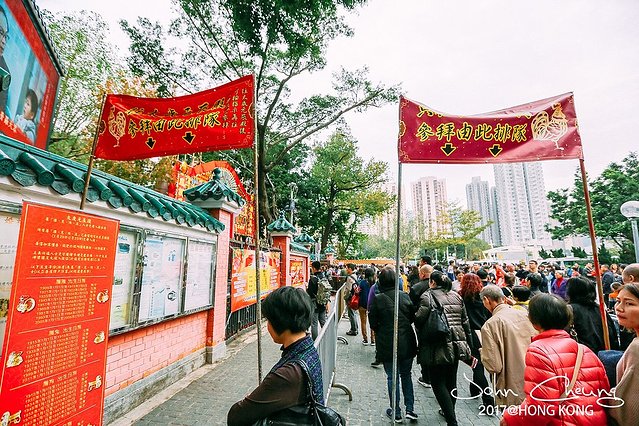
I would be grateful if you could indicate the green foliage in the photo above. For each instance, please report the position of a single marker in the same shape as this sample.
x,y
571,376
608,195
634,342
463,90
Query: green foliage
x,y
461,230
218,41
618,183
605,257
298,24
544,254
88,61
557,253
579,252
340,191
375,246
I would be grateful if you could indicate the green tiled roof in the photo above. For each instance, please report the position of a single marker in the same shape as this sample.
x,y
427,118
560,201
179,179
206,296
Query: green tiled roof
x,y
304,238
299,248
216,189
29,166
330,249
281,225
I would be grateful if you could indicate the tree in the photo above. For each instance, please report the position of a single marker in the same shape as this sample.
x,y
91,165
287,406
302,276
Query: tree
x,y
605,257
544,254
88,60
557,253
92,69
277,42
618,183
341,190
579,252
375,246
460,229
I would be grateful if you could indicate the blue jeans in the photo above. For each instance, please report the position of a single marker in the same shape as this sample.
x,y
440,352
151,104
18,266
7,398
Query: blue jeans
x,y
404,368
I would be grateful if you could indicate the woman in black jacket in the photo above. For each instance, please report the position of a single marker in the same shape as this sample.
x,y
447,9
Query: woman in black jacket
x,y
381,317
442,357
587,316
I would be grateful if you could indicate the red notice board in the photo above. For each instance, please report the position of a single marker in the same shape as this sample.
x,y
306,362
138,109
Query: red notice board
x,y
54,353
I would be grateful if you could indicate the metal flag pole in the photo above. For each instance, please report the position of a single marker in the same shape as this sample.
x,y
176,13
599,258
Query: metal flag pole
x,y
92,158
258,309
397,287
595,255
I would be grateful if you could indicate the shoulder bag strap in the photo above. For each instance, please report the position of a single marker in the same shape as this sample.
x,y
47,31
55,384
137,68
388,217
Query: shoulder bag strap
x,y
575,373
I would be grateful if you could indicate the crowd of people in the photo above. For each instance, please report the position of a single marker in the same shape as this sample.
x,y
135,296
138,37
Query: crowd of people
x,y
533,337
532,334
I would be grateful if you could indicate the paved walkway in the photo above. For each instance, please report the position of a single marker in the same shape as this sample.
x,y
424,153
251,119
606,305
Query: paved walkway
x,y
204,397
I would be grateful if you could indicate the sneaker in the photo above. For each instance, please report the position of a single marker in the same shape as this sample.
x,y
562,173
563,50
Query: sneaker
x,y
423,383
389,414
351,333
376,364
372,343
410,415
364,342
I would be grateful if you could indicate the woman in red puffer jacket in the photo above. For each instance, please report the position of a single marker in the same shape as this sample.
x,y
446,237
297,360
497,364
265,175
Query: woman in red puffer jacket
x,y
551,355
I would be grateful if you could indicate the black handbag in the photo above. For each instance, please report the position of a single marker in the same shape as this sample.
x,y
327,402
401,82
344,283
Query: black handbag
x,y
311,414
436,327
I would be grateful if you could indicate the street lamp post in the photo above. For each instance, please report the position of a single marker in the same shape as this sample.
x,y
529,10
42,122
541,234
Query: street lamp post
x,y
293,188
630,209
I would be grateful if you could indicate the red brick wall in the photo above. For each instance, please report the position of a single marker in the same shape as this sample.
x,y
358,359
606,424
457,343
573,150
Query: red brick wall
x,y
137,354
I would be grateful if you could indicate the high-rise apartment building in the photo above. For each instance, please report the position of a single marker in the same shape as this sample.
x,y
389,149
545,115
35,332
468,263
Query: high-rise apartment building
x,y
521,203
429,202
478,198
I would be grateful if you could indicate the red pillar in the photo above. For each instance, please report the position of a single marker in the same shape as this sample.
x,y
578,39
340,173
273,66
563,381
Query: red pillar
x,y
282,241
216,321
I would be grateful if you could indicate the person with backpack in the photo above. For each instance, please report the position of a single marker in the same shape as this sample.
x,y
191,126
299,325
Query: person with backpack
x,y
313,290
364,287
350,288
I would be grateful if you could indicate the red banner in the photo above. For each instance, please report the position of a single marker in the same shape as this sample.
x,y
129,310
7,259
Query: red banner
x,y
541,130
54,352
217,119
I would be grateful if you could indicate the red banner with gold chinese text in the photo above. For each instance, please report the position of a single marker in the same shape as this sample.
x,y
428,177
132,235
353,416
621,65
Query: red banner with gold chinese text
x,y
218,119
540,130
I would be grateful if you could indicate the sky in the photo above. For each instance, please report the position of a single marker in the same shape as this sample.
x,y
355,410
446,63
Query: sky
x,y
469,57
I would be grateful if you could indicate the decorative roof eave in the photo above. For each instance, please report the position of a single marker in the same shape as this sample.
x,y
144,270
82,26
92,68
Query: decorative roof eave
x,y
304,238
29,166
330,250
299,248
214,189
281,225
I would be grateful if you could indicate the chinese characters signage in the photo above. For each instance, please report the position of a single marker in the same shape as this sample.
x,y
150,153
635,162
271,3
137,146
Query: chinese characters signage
x,y
243,276
541,130
298,271
214,120
26,105
54,353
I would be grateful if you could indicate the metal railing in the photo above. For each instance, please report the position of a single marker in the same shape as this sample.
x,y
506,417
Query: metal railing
x,y
326,345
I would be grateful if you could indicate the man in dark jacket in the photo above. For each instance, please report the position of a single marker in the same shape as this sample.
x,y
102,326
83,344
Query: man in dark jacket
x,y
381,316
415,295
319,314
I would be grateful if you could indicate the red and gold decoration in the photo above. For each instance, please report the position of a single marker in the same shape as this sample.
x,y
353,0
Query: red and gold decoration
x,y
186,176
54,361
540,130
243,282
217,119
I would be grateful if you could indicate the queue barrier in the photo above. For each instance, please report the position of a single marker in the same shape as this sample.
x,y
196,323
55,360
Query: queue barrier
x,y
326,345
